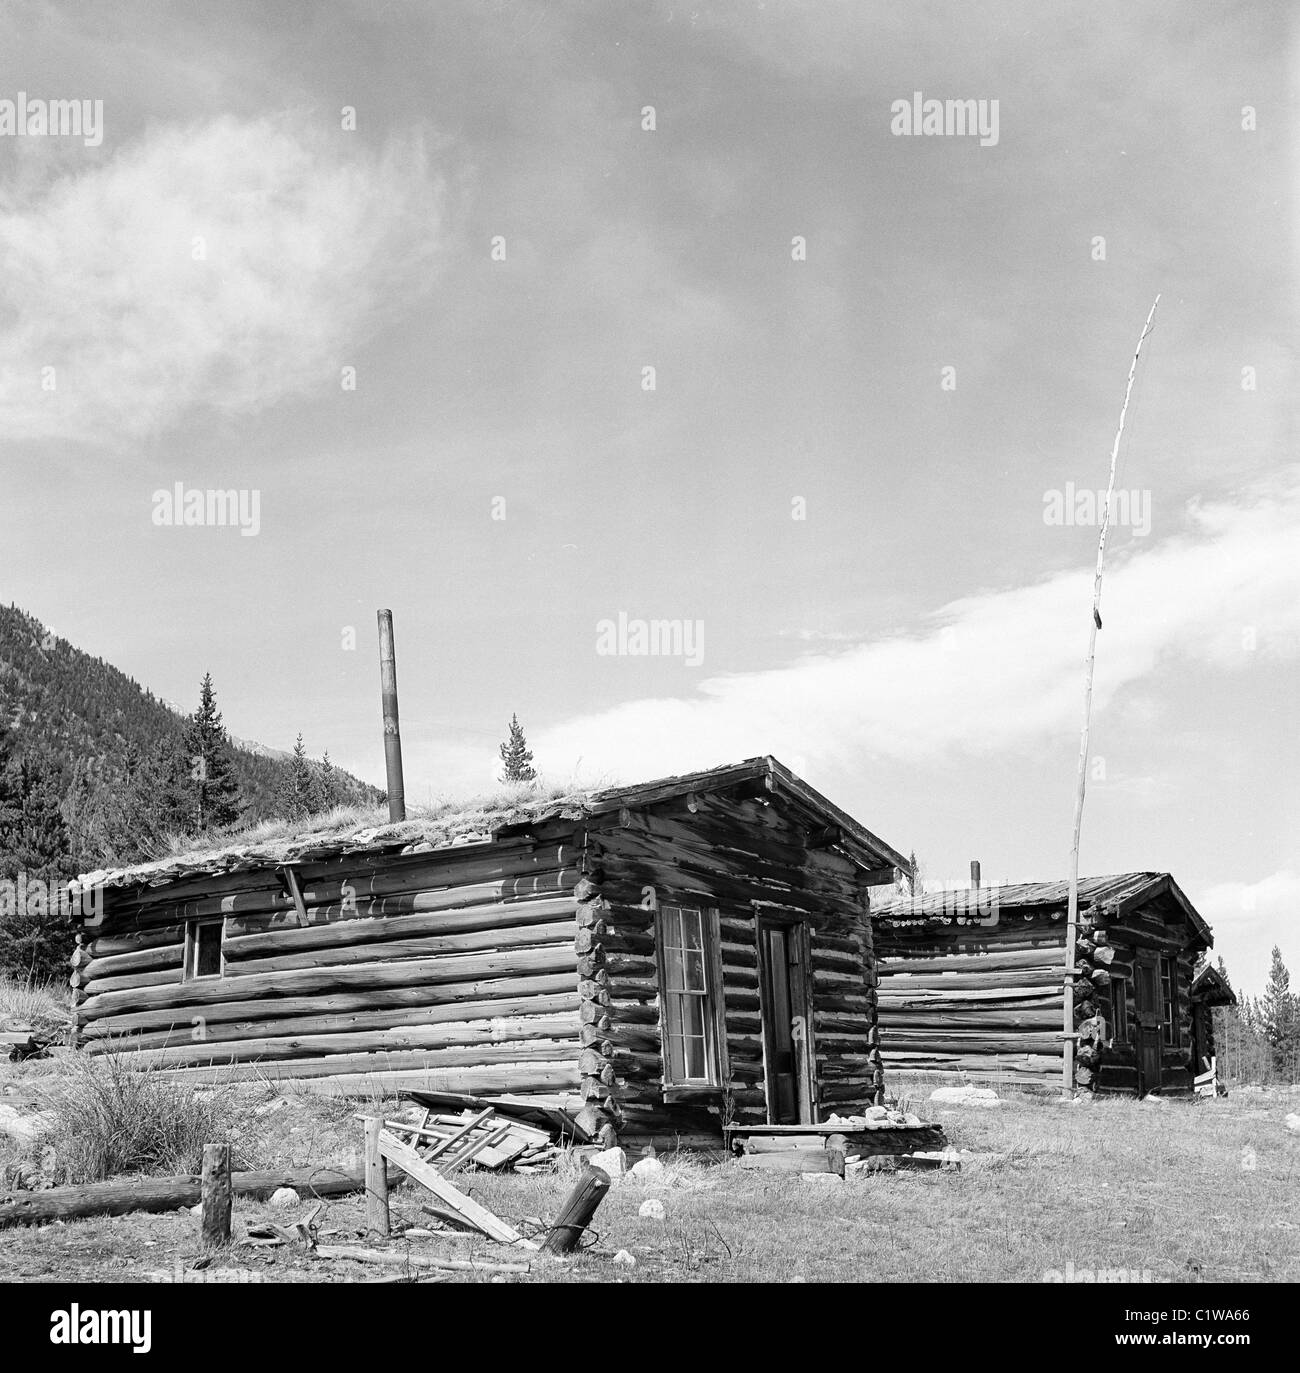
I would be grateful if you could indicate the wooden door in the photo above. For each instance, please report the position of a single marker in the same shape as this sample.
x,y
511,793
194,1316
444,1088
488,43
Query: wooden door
x,y
1146,995
787,1022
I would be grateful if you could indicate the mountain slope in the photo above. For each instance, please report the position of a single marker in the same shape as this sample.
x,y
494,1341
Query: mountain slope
x,y
75,713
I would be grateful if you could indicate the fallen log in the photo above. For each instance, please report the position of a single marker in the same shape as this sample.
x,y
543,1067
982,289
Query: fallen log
x,y
405,1259
166,1194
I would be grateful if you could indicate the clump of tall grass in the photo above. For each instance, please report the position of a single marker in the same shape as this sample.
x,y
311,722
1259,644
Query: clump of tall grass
x,y
114,1117
42,1005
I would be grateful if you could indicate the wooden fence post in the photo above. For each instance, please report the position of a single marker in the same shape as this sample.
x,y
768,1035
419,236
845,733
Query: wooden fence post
x,y
216,1195
590,1191
377,1217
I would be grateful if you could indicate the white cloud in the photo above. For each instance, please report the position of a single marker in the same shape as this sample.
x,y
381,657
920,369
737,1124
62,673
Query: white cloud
x,y
1249,920
306,238
992,672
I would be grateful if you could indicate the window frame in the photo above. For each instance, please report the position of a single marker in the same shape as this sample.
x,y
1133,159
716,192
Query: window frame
x,y
1121,1023
712,996
193,944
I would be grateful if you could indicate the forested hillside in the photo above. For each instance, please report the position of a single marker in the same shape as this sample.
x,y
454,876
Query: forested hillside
x,y
97,771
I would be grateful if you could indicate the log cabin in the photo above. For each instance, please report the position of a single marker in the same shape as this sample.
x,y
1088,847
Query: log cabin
x,y
662,959
972,984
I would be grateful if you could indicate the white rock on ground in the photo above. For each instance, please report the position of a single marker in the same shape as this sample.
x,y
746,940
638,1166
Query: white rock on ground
x,y
966,1096
285,1196
611,1161
25,1129
653,1209
1293,1121
648,1170
625,1259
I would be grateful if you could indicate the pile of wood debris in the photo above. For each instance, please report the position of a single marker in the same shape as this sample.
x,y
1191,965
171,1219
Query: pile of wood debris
x,y
482,1139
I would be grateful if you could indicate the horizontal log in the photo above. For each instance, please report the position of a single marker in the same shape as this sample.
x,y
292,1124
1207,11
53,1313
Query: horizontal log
x,y
368,976
556,1085
488,916
168,1194
141,960
425,946
343,1022
434,1063
991,1019
388,998
127,941
508,1030
161,977
1048,957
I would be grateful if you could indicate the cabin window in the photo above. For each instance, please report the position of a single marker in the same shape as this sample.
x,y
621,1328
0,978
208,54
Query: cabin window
x,y
1169,999
686,972
1119,1009
203,949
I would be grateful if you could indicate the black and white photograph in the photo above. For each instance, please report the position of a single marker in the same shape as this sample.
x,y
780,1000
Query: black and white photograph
x,y
648,642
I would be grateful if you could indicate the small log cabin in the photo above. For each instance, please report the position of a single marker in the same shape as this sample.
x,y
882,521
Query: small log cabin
x,y
661,959
972,984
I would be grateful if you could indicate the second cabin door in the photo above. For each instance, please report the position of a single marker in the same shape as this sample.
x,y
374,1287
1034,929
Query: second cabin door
x,y
787,1021
1146,995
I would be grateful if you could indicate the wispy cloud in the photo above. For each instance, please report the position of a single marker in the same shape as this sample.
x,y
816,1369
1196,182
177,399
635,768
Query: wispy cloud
x,y
227,264
996,671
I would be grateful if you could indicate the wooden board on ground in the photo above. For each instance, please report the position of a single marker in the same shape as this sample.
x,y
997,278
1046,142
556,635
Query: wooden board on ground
x,y
428,1176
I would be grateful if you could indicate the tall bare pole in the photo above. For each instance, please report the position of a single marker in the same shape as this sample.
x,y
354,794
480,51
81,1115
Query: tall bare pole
x,y
1072,909
392,734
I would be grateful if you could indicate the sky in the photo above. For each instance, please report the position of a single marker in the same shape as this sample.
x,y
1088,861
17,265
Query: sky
x,y
396,275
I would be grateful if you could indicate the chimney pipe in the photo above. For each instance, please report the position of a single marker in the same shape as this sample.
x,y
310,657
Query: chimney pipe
x,y
392,734
974,874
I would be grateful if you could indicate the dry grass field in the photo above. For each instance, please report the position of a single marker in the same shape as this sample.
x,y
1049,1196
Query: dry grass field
x,y
1200,1191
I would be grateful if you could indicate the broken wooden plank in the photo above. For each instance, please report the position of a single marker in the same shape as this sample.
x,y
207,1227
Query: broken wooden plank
x,y
468,1128
428,1176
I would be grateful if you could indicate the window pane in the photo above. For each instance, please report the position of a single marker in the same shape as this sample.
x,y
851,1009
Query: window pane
x,y
207,950
696,1059
692,930
673,1040
693,1016
694,969
673,976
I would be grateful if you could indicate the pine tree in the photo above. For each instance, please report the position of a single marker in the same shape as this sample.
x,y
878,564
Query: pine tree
x,y
214,790
36,933
1279,1016
299,793
329,784
516,757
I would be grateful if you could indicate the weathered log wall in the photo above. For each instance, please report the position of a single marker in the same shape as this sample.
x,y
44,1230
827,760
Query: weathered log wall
x,y
986,1001
745,857
451,969
972,999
